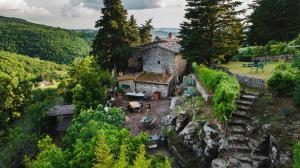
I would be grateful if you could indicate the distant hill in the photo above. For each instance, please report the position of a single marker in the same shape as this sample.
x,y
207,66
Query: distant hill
x,y
89,34
164,32
24,67
45,42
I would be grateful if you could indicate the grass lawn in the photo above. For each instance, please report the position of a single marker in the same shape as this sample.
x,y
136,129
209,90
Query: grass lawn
x,y
236,67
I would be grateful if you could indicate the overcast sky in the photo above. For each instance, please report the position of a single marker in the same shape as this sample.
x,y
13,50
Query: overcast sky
x,y
76,14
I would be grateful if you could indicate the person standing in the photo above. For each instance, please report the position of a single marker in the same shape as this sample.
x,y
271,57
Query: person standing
x,y
148,108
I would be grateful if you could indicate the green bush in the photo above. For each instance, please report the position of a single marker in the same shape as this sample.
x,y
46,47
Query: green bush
x,y
226,90
272,48
282,82
209,77
225,97
297,155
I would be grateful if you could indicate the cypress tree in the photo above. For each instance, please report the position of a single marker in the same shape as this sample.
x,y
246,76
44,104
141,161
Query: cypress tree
x,y
111,46
134,32
145,32
140,160
122,161
212,30
104,159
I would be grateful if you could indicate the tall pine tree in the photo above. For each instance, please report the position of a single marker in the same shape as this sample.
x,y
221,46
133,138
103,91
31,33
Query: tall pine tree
x,y
111,46
277,20
134,32
145,32
212,30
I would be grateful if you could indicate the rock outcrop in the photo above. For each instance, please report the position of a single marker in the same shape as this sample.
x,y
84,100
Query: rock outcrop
x,y
242,143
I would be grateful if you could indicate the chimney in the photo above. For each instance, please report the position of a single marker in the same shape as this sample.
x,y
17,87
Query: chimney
x,y
170,35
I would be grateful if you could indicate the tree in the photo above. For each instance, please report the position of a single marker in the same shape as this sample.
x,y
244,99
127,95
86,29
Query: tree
x,y
140,160
122,161
145,32
277,20
134,32
49,157
212,30
104,159
90,83
111,46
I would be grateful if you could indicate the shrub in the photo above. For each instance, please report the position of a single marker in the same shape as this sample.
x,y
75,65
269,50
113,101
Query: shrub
x,y
282,82
297,155
225,98
272,48
210,78
226,90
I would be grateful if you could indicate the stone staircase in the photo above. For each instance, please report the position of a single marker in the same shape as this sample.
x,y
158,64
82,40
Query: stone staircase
x,y
240,139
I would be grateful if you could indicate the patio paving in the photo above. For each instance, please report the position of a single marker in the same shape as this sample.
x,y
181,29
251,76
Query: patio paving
x,y
159,109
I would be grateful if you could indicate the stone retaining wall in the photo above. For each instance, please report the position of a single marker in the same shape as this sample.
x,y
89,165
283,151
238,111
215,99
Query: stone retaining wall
x,y
244,79
274,58
205,94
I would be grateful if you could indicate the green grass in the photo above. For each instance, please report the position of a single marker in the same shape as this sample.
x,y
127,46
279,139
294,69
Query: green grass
x,y
236,67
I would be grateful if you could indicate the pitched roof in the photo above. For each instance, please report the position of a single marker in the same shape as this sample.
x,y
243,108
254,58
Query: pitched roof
x,y
170,45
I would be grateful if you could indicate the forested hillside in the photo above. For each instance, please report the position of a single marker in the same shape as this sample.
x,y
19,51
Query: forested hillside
x,y
25,68
47,43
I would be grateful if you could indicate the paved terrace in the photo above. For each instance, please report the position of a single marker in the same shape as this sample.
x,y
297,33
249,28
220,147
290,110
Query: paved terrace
x,y
159,109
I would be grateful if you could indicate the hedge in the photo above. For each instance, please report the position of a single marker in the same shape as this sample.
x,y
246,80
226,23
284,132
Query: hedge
x,y
271,49
226,90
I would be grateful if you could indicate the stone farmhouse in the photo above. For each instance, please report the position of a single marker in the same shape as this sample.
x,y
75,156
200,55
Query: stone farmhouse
x,y
158,64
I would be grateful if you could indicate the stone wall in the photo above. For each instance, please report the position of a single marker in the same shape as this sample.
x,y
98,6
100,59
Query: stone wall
x,y
151,88
274,58
129,83
205,94
250,81
244,79
157,59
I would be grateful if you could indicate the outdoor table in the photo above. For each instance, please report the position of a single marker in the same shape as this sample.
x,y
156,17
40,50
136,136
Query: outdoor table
x,y
135,95
135,105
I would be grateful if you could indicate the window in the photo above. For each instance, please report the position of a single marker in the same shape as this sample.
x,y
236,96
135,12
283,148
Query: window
x,y
158,62
126,87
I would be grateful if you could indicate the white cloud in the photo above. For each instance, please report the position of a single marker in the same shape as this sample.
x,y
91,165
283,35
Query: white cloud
x,y
76,8
21,7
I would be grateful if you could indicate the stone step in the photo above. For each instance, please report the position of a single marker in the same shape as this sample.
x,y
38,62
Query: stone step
x,y
238,121
248,97
242,114
239,148
245,102
237,129
238,139
241,107
250,93
262,161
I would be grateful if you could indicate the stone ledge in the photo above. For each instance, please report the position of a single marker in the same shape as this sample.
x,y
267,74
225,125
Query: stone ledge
x,y
205,94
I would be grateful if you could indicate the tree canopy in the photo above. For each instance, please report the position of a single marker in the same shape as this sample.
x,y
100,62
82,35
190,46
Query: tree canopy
x,y
45,42
111,46
145,32
212,30
277,20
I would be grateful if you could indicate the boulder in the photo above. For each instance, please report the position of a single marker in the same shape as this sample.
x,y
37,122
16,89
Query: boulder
x,y
181,122
169,120
285,158
188,133
226,163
